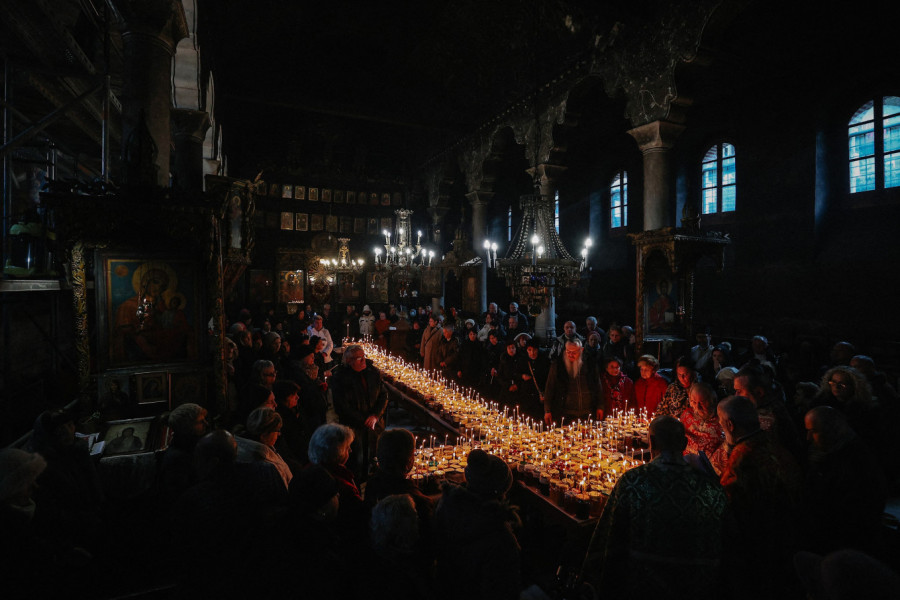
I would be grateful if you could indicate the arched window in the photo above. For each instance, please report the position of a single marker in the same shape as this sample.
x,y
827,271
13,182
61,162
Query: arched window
x,y
618,200
556,212
874,144
509,224
719,179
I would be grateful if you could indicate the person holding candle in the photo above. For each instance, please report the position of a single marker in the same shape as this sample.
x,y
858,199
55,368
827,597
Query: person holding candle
x,y
660,534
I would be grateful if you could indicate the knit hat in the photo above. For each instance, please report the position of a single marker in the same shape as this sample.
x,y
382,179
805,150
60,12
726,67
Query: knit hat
x,y
366,309
263,420
18,470
488,475
311,488
470,322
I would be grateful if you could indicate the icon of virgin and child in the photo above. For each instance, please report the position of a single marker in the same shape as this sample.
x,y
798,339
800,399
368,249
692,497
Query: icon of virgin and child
x,y
152,324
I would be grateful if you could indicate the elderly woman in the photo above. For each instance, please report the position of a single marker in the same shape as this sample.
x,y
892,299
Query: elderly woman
x,y
263,429
329,447
650,388
701,425
675,400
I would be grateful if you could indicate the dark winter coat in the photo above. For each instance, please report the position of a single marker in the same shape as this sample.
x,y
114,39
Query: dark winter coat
x,y
478,553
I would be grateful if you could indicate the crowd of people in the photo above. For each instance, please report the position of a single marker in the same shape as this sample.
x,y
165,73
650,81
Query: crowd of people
x,y
755,476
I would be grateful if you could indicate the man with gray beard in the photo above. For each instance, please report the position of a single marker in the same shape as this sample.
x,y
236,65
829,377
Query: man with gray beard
x,y
573,387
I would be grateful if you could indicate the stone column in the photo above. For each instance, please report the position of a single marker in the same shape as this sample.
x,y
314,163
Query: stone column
x,y
546,176
655,140
480,201
151,29
189,132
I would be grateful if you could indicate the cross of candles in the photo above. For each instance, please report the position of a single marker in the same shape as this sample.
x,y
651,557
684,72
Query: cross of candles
x,y
585,456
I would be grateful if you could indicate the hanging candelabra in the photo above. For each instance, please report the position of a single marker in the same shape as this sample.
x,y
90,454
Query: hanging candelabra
x,y
537,264
399,251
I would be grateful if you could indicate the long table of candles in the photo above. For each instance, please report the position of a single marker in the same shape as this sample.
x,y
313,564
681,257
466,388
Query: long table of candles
x,y
573,464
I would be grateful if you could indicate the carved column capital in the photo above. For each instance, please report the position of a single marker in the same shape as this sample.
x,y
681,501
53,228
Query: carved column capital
x,y
189,124
162,20
656,136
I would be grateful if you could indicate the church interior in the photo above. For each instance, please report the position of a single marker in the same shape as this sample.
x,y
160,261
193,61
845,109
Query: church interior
x,y
718,168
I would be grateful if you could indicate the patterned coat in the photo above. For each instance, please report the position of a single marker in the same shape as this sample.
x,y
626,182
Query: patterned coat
x,y
660,534
674,401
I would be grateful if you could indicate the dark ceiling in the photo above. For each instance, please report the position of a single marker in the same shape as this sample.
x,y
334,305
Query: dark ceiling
x,y
398,80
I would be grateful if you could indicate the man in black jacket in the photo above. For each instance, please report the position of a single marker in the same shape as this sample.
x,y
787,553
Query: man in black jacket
x,y
360,400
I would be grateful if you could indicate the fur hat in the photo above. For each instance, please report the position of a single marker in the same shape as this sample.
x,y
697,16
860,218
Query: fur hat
x,y
263,420
18,470
311,488
487,475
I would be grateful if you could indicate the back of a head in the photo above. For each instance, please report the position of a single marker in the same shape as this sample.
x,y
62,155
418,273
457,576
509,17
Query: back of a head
x,y
216,450
395,526
396,448
263,420
756,376
326,442
487,475
667,435
183,418
741,412
284,389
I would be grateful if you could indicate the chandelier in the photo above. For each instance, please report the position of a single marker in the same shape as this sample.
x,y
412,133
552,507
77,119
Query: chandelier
x,y
399,252
325,270
537,264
